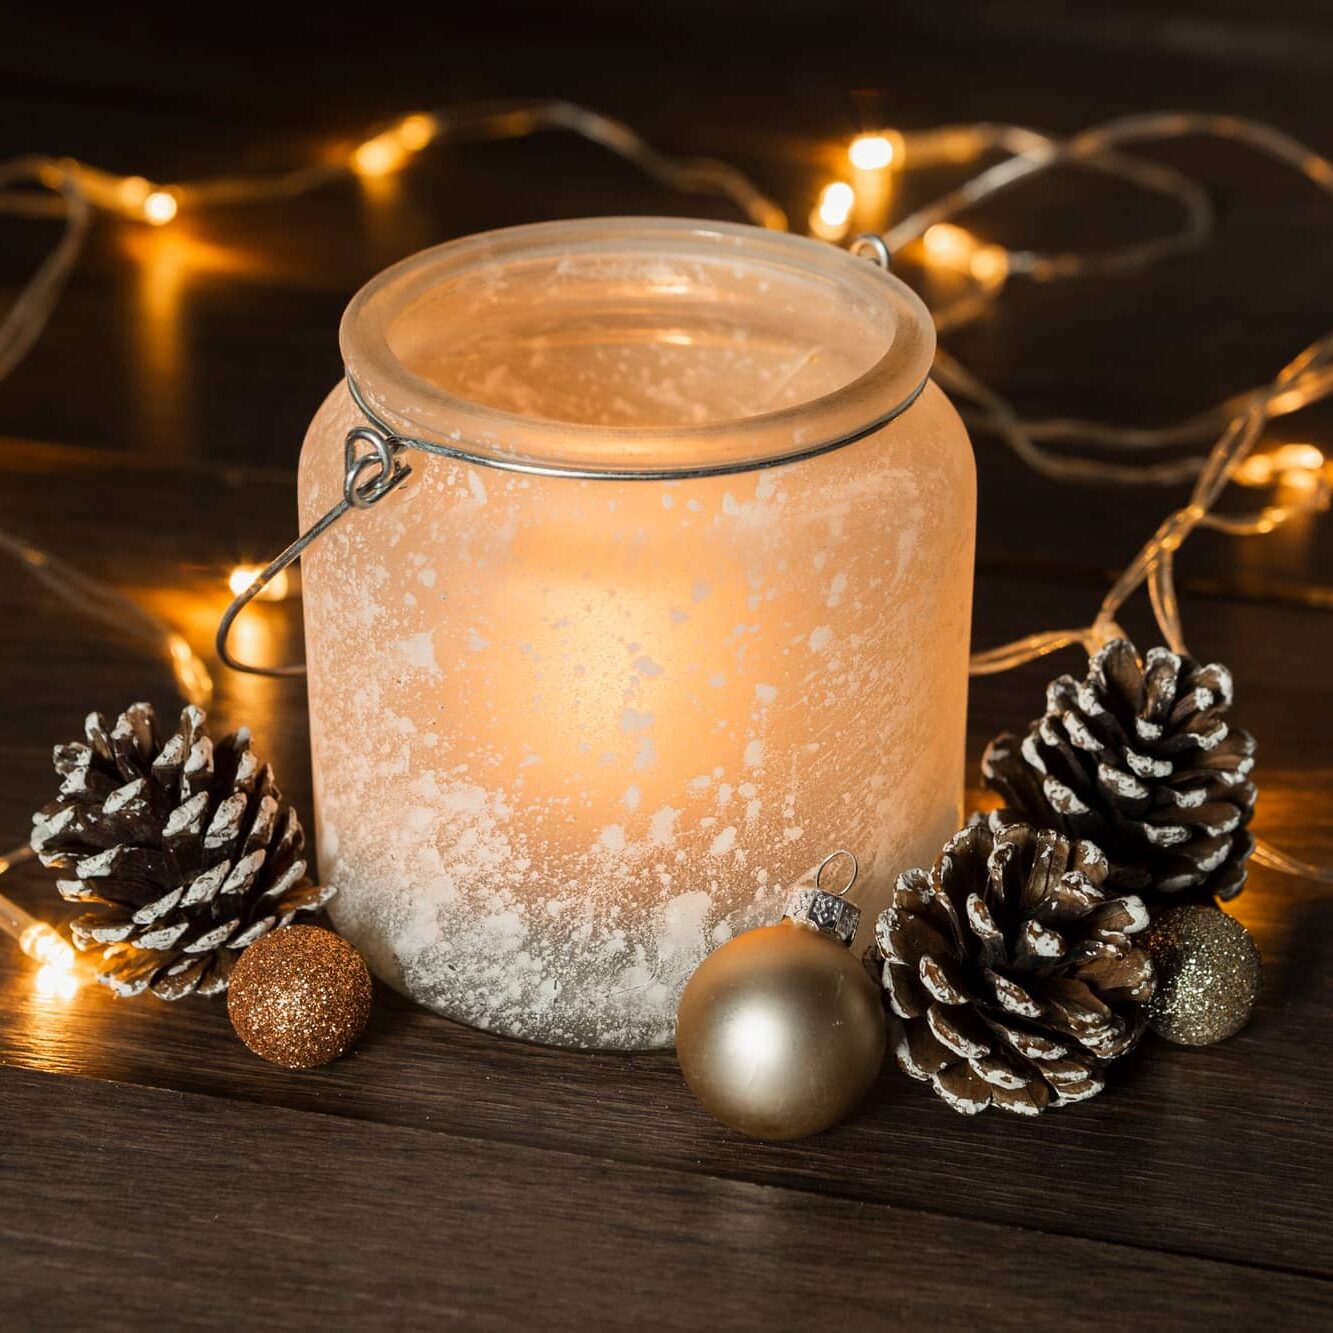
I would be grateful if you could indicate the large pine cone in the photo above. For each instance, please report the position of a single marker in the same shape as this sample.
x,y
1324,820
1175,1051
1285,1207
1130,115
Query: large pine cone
x,y
1139,759
1012,970
188,847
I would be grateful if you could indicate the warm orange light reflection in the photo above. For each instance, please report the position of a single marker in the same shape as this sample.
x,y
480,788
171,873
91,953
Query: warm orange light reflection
x,y
192,676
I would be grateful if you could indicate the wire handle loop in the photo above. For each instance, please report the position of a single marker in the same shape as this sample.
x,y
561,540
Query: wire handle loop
x,y
872,246
384,451
361,489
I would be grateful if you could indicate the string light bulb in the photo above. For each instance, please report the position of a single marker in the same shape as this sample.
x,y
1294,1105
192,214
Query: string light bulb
x,y
390,149
56,983
1256,470
417,131
874,152
948,245
952,247
1299,480
132,193
1298,457
159,207
833,211
1296,465
379,156
57,974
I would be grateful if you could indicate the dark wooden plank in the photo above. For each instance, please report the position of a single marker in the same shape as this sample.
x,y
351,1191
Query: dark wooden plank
x,y
226,1215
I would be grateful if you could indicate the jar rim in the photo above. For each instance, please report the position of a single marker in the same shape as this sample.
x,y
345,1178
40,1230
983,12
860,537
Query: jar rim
x,y
420,411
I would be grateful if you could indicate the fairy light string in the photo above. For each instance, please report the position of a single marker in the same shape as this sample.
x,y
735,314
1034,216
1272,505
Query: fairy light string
x,y
1219,440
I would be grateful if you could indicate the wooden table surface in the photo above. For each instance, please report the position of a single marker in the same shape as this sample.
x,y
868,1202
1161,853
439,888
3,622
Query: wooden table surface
x,y
152,1170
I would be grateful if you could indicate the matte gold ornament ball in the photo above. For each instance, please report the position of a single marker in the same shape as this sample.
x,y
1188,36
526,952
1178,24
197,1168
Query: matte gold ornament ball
x,y
299,996
781,1032
1208,974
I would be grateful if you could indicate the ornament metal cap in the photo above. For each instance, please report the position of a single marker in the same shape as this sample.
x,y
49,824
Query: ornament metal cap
x,y
828,912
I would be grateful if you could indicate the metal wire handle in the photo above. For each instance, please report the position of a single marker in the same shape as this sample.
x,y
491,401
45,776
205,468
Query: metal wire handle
x,y
360,491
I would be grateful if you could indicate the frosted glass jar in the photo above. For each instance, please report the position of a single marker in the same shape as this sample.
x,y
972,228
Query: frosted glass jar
x,y
570,734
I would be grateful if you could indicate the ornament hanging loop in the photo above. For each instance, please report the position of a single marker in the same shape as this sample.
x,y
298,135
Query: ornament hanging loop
x,y
828,861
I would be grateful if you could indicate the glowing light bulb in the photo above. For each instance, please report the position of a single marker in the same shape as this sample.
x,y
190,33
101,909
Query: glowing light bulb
x,y
872,152
835,203
1256,470
989,264
1299,480
949,246
243,576
44,945
1295,465
132,193
416,131
1297,457
380,155
159,207
833,212
56,983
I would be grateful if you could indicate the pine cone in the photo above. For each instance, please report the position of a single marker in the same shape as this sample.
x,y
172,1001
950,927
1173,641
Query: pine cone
x,y
188,847
1011,970
1140,760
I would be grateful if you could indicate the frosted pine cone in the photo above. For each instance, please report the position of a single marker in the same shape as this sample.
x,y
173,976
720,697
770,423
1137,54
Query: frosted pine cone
x,y
1139,758
1012,971
188,849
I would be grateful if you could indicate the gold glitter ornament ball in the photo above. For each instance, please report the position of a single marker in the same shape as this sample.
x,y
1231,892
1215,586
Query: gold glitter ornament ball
x,y
1208,975
299,997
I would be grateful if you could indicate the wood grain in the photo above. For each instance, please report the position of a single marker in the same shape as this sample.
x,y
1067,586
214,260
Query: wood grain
x,y
199,1213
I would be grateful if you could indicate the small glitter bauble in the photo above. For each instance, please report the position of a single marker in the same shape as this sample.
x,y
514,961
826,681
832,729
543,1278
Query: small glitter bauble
x,y
299,997
781,1031
1208,974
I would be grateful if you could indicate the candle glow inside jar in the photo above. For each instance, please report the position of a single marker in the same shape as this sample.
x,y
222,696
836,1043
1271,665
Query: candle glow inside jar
x,y
571,733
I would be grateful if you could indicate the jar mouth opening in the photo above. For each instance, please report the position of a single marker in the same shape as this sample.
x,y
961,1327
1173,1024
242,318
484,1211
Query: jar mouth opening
x,y
637,347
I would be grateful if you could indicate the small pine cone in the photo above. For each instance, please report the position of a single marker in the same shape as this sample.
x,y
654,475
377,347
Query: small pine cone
x,y
1011,970
1139,759
187,847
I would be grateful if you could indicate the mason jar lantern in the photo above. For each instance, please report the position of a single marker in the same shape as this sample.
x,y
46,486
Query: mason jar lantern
x,y
674,600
